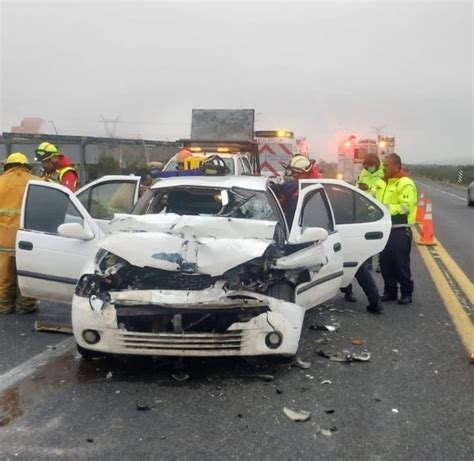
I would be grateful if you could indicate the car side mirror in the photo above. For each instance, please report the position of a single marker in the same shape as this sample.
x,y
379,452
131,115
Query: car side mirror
x,y
75,231
313,234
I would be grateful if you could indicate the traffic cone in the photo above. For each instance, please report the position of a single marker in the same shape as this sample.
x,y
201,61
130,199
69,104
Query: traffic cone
x,y
427,233
420,211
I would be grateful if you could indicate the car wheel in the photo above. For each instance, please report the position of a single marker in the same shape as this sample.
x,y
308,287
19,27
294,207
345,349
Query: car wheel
x,y
87,354
470,202
283,291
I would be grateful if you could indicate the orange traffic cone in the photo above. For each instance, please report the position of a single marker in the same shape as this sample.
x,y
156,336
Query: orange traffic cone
x,y
427,233
420,211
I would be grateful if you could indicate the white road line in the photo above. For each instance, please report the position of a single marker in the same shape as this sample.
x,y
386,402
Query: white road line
x,y
442,191
17,374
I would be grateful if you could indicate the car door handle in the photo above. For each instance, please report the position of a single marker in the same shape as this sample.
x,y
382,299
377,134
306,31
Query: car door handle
x,y
373,235
337,247
22,245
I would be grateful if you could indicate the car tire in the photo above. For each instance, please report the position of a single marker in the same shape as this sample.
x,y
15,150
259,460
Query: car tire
x,y
87,354
470,202
283,291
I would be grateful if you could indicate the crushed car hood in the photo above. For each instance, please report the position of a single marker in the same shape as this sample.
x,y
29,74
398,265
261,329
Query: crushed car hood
x,y
191,244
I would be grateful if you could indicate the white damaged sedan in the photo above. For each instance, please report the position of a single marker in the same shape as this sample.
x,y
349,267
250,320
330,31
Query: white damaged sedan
x,y
201,266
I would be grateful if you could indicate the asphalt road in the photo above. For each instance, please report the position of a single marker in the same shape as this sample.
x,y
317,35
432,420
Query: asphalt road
x,y
453,221
413,400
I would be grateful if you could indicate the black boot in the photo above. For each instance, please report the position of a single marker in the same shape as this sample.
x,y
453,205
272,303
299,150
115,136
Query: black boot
x,y
386,298
375,309
405,300
349,297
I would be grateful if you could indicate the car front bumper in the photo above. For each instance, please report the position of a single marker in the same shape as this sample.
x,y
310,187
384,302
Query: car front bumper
x,y
242,338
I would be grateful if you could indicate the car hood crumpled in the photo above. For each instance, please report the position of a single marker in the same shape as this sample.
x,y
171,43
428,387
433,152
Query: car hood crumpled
x,y
191,244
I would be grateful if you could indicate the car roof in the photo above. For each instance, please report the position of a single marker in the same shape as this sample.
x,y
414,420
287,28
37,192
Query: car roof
x,y
225,182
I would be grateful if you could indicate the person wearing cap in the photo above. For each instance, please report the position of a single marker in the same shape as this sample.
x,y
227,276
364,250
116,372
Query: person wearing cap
x,y
58,167
12,188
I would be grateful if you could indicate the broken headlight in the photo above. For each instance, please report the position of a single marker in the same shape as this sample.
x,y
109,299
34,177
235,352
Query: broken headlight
x,y
107,263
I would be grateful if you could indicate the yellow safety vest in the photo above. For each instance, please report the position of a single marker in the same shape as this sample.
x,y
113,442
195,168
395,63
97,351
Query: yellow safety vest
x,y
400,197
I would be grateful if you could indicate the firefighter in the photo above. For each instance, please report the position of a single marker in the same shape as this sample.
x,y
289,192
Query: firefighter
x,y
12,188
58,167
371,173
398,193
300,167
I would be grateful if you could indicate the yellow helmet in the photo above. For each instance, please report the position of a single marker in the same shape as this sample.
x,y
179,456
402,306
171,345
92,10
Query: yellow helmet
x,y
16,159
45,151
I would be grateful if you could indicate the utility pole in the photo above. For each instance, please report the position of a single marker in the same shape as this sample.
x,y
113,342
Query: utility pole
x,y
110,125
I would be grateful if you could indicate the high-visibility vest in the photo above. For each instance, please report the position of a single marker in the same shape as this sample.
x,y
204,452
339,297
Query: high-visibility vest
x,y
400,197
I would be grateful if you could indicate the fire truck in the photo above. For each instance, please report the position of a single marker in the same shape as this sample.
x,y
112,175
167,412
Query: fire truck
x,y
352,153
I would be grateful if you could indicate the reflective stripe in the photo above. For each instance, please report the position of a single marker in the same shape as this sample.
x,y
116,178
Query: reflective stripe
x,y
64,170
10,211
7,250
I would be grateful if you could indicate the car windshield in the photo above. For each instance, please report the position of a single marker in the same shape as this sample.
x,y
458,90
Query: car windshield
x,y
229,163
185,200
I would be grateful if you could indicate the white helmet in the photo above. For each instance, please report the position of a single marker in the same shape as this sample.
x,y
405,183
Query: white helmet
x,y
300,164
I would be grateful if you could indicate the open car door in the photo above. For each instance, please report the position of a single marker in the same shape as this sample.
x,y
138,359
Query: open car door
x,y
108,195
314,211
363,223
57,237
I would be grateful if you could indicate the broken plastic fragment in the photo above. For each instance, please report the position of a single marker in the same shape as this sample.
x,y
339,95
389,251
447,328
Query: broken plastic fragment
x,y
299,416
142,406
326,432
341,356
361,357
326,381
322,341
259,376
394,410
334,327
298,362
180,376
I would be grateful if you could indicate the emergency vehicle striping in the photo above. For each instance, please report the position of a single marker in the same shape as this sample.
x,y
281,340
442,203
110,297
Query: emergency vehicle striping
x,y
456,300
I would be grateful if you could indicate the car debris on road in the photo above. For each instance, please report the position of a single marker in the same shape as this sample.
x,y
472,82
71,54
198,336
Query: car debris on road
x,y
298,416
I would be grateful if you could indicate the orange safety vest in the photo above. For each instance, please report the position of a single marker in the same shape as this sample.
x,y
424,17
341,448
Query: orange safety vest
x,y
12,188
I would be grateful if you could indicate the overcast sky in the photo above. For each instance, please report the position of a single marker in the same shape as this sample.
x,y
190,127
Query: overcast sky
x,y
324,70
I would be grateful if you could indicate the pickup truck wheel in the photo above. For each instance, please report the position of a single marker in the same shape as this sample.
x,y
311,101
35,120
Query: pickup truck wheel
x,y
87,354
283,291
